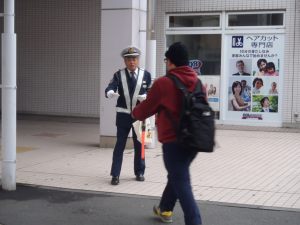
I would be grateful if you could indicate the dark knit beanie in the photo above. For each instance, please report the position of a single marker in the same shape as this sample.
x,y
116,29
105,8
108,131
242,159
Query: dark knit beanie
x,y
178,54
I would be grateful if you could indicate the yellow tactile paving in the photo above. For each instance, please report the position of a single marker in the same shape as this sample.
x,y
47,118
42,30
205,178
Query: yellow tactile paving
x,y
21,149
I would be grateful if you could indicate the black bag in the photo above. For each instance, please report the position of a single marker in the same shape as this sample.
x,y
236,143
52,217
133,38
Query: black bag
x,y
196,128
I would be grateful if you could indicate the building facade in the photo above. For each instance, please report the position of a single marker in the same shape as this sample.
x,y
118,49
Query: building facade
x,y
211,29
58,56
67,51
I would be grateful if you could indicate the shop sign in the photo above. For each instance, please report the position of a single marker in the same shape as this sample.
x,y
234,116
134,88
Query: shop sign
x,y
254,77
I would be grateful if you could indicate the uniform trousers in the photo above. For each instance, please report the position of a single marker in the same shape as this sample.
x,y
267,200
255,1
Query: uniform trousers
x,y
139,163
177,162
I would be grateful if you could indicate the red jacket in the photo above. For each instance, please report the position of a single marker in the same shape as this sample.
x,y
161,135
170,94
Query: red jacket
x,y
164,96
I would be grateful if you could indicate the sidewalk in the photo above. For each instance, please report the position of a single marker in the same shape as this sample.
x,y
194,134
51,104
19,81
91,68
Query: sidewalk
x,y
256,168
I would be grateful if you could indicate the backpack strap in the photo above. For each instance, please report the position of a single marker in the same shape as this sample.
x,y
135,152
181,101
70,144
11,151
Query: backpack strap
x,y
182,87
178,84
185,92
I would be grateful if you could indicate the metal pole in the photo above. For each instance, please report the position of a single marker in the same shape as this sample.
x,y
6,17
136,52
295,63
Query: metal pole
x,y
151,56
150,19
9,99
151,42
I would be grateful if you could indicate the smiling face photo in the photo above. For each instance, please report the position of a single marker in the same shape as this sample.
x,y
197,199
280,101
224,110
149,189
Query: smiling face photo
x,y
240,67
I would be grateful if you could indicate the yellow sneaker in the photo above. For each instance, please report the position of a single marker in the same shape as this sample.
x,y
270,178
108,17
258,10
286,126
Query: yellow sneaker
x,y
165,216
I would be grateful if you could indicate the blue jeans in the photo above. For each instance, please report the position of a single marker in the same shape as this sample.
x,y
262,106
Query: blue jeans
x,y
177,162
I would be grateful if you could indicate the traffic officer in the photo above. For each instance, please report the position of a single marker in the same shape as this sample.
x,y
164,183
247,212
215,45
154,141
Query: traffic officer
x,y
130,86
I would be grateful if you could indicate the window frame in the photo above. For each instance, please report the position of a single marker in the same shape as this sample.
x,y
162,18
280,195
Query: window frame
x,y
225,30
168,28
227,14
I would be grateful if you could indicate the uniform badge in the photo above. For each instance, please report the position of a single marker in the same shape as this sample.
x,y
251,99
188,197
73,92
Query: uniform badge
x,y
131,50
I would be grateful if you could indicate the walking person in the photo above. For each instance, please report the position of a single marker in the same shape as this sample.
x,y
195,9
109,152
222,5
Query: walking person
x,y
164,99
130,86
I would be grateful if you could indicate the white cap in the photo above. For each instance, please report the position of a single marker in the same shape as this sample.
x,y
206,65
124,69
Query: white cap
x,y
131,51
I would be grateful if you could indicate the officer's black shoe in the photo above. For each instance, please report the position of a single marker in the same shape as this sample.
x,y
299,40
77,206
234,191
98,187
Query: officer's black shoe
x,y
115,181
140,177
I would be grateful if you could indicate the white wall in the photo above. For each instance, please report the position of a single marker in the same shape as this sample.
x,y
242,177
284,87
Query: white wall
x,y
122,25
60,66
58,61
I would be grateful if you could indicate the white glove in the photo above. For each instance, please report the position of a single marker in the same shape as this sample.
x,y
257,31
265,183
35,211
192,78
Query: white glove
x,y
112,94
141,97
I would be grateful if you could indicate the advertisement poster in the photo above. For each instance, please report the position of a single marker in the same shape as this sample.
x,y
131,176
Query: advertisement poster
x,y
212,85
254,72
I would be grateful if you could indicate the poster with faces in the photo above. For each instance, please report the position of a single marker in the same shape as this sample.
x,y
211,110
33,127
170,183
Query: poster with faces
x,y
212,85
254,76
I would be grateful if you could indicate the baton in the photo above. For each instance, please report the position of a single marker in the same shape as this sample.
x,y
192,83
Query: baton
x,y
143,139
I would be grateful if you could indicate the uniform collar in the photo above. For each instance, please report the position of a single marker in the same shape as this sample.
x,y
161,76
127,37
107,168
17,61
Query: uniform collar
x,y
135,72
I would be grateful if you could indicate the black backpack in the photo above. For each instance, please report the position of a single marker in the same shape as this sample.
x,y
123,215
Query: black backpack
x,y
196,128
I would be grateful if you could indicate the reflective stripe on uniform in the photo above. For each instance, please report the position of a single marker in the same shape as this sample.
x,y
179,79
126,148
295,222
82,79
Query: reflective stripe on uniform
x,y
125,88
138,86
122,110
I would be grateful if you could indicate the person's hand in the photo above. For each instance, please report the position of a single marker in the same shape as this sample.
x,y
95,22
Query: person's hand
x,y
141,97
112,94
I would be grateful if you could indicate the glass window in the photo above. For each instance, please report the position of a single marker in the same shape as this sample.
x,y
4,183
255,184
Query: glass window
x,y
205,59
203,48
270,19
194,21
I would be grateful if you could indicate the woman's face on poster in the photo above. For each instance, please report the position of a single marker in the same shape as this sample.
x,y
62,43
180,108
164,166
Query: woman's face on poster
x,y
258,84
262,66
237,89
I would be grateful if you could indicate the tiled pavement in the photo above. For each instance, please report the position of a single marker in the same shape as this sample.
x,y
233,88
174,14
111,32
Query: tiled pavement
x,y
256,168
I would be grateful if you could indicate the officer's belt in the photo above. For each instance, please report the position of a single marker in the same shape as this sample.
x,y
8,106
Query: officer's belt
x,y
122,110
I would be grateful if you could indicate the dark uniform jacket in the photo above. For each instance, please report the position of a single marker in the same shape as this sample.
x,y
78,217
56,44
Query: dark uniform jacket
x,y
123,117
